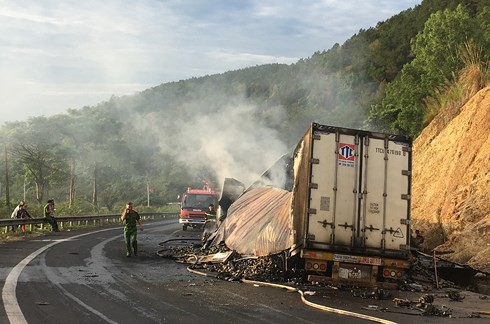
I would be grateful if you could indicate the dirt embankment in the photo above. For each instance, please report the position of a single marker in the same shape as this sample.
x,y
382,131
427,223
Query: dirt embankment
x,y
451,182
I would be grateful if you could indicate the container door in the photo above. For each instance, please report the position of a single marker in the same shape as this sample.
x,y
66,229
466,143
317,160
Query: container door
x,y
386,193
333,206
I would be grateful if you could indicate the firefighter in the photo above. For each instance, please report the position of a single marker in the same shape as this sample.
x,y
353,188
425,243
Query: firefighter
x,y
211,213
209,224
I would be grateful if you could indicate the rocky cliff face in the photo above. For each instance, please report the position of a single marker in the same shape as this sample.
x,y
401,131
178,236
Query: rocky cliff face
x,y
451,181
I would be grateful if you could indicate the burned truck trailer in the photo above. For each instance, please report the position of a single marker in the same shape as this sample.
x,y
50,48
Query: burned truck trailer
x,y
351,205
341,209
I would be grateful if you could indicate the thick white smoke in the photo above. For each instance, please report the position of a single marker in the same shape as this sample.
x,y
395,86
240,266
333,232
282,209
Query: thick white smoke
x,y
233,140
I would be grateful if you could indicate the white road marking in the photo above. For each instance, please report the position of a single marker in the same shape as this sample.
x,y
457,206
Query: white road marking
x,y
11,305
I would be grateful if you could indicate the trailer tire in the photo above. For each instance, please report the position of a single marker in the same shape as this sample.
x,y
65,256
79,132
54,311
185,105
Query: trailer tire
x,y
184,227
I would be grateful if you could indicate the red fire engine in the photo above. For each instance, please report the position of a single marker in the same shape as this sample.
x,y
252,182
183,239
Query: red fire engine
x,y
194,205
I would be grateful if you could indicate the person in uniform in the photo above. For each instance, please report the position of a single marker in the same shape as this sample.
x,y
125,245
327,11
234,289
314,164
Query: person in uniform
x,y
209,224
130,218
211,212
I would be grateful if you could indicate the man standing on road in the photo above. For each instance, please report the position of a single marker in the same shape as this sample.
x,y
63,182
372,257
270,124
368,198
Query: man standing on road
x,y
130,217
50,216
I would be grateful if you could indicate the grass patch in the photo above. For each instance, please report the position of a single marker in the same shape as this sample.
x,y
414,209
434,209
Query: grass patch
x,y
453,94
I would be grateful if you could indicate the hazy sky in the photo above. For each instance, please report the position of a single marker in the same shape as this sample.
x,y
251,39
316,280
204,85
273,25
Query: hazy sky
x,y
56,55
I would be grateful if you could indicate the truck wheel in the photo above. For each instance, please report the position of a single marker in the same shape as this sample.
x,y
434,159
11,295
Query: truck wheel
x,y
184,227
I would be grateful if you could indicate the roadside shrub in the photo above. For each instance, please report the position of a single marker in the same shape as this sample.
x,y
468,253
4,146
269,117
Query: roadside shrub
x,y
434,235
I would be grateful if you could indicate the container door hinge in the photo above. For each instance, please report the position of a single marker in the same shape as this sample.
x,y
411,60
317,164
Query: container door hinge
x,y
313,185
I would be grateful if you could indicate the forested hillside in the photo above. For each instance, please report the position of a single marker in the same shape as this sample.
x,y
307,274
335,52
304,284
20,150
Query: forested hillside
x,y
150,146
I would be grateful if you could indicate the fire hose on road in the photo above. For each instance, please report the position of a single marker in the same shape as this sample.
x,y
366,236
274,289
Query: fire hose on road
x,y
304,300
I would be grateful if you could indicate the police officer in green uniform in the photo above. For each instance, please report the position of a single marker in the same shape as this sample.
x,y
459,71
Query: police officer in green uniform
x,y
130,218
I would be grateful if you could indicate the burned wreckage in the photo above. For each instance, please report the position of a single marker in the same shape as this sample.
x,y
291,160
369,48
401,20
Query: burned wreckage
x,y
332,217
337,210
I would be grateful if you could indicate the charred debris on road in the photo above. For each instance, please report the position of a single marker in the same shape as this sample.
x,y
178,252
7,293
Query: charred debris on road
x,y
418,294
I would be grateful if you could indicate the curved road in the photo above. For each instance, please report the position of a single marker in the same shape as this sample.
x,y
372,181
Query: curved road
x,y
85,277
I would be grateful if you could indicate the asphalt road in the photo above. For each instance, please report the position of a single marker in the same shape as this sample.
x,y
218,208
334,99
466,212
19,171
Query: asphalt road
x,y
85,277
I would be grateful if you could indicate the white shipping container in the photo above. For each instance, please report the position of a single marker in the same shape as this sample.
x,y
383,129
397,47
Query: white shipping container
x,y
358,193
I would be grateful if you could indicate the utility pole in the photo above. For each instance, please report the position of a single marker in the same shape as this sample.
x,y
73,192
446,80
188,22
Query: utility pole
x,y
147,189
148,193
7,192
94,193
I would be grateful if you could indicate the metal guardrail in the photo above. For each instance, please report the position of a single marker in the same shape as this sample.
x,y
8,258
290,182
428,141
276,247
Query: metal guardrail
x,y
77,220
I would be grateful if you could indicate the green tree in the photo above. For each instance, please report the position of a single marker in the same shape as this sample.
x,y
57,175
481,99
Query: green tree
x,y
37,147
437,52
